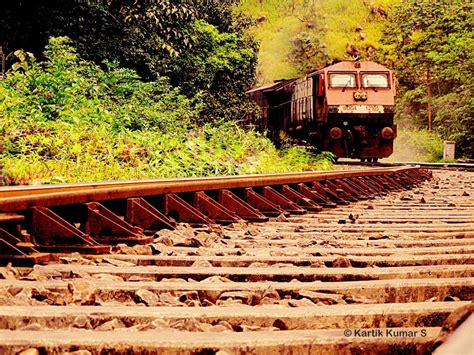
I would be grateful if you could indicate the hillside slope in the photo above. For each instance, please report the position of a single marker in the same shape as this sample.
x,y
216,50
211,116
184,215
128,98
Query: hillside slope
x,y
299,35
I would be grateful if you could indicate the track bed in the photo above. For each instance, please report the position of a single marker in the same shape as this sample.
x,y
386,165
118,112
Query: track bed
x,y
378,275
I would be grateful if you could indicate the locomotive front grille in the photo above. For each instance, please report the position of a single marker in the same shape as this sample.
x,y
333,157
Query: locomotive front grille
x,y
361,109
356,119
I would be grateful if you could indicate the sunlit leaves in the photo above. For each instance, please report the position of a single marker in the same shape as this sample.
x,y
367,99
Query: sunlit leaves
x,y
431,43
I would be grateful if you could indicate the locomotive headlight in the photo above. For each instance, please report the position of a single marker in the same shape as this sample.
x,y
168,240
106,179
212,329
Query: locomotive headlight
x,y
360,96
335,133
387,133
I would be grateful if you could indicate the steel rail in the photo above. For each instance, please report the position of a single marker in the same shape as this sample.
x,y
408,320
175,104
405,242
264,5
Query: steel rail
x,y
460,166
465,166
19,198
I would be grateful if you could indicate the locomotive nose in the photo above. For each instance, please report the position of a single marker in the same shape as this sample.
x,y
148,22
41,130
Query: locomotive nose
x,y
387,133
335,133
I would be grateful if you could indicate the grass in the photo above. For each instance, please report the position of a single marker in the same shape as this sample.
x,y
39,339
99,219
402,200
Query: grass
x,y
95,154
274,36
417,146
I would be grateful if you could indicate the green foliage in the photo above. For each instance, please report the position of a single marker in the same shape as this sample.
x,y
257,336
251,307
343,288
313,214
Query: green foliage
x,y
75,91
154,38
432,49
219,67
70,120
417,146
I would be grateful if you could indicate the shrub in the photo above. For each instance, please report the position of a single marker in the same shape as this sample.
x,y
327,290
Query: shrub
x,y
69,120
72,90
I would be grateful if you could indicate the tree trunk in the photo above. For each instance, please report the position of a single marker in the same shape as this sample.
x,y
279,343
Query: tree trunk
x,y
2,63
428,92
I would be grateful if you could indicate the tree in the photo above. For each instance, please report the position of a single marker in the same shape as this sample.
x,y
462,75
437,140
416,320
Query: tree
x,y
220,67
155,38
430,45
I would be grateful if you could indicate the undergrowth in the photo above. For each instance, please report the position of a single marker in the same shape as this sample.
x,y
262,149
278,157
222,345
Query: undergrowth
x,y
69,120
417,146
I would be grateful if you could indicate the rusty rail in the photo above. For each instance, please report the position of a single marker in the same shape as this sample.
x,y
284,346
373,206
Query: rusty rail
x,y
22,197
431,166
91,217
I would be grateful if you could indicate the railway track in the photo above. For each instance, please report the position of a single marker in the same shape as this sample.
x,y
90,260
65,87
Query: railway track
x,y
433,166
362,261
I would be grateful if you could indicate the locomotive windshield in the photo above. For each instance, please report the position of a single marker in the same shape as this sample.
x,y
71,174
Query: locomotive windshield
x,y
375,80
342,80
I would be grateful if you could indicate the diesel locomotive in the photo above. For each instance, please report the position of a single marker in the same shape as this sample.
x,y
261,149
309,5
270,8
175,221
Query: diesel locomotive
x,y
346,108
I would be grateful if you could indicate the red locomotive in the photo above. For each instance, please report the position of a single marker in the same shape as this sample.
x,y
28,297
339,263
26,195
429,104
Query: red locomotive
x,y
346,108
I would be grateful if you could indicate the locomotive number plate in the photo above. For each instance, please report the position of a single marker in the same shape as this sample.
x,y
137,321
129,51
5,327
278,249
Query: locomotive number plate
x,y
360,109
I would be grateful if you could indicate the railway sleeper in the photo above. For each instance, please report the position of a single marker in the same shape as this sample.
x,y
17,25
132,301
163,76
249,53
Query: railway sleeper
x,y
372,182
271,273
108,228
339,192
360,193
331,341
267,207
16,244
144,215
282,201
213,209
316,197
367,185
328,315
239,207
51,232
320,188
208,293
300,199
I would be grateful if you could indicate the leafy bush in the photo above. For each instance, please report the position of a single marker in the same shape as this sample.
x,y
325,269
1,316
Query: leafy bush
x,y
69,120
220,67
75,91
176,39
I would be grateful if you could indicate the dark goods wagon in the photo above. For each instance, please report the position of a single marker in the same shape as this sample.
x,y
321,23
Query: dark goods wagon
x,y
346,108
